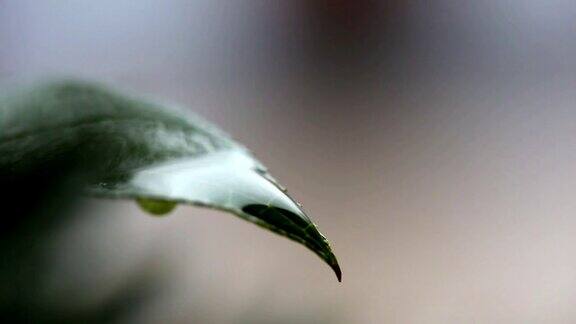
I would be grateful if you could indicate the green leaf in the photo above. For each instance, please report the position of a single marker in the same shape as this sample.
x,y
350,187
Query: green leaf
x,y
132,148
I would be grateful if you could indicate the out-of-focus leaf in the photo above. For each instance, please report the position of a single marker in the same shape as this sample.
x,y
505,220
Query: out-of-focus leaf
x,y
131,148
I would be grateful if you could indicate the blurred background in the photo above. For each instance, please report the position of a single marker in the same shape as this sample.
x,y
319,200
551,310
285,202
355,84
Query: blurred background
x,y
433,142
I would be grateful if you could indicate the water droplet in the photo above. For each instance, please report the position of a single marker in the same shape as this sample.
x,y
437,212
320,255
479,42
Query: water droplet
x,y
156,207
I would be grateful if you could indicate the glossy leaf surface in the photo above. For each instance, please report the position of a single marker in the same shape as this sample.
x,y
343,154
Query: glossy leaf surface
x,y
130,148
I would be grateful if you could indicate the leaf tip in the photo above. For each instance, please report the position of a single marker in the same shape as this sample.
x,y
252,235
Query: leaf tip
x,y
337,270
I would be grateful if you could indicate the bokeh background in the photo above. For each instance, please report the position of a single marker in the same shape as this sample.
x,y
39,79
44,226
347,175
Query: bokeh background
x,y
433,142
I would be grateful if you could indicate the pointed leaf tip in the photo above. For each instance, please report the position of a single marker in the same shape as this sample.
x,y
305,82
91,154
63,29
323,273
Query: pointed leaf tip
x,y
333,263
337,271
295,225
